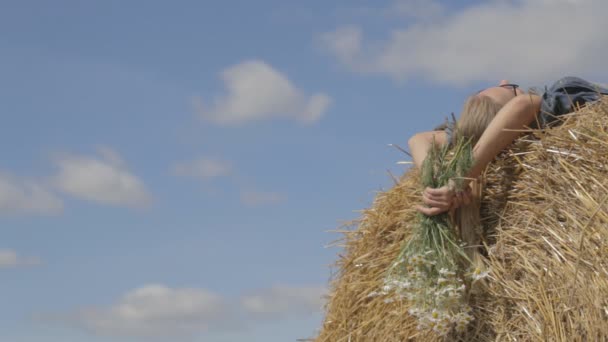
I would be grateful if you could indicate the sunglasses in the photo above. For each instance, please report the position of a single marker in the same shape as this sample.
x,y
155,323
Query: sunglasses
x,y
508,85
511,85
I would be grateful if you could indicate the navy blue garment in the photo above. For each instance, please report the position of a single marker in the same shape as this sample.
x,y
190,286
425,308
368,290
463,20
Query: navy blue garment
x,y
448,126
565,95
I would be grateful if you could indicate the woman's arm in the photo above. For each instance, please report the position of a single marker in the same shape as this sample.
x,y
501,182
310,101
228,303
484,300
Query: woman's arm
x,y
506,126
516,115
420,145
421,142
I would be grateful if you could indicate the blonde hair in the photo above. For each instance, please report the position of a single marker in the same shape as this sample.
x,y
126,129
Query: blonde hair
x,y
477,113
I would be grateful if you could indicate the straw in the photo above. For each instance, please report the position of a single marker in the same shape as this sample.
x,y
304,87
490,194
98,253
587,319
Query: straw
x,y
544,219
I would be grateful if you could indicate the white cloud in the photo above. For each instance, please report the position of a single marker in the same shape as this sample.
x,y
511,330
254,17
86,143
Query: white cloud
x,y
156,311
159,312
346,44
256,91
256,198
280,301
203,168
533,41
26,197
105,180
10,259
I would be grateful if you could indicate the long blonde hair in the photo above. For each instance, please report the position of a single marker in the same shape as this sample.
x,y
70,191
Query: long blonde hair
x,y
477,113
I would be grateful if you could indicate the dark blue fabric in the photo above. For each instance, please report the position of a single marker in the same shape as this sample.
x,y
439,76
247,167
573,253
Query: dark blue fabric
x,y
565,95
448,126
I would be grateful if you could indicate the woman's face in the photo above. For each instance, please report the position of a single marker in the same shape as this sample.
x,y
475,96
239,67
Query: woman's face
x,y
500,94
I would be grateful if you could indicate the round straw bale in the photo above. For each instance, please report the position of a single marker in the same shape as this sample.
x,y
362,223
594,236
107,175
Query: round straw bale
x,y
544,213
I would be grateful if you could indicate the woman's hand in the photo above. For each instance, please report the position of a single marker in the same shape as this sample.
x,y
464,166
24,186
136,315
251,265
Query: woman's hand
x,y
443,199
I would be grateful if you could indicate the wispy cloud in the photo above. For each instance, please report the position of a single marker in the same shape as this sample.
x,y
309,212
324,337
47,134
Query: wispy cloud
x,y
208,169
156,311
256,91
20,196
105,180
280,300
526,40
203,168
257,198
10,259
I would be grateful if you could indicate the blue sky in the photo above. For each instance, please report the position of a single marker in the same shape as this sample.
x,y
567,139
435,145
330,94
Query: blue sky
x,y
171,169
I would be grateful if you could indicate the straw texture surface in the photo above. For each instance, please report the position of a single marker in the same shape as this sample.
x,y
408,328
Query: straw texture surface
x,y
544,213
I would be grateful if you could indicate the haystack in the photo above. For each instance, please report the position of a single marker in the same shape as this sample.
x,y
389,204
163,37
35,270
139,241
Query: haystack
x,y
545,218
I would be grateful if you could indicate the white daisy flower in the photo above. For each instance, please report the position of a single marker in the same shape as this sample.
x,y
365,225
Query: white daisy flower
x,y
478,274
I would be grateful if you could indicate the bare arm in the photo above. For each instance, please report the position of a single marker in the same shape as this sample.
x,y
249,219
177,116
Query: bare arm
x,y
421,142
515,115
